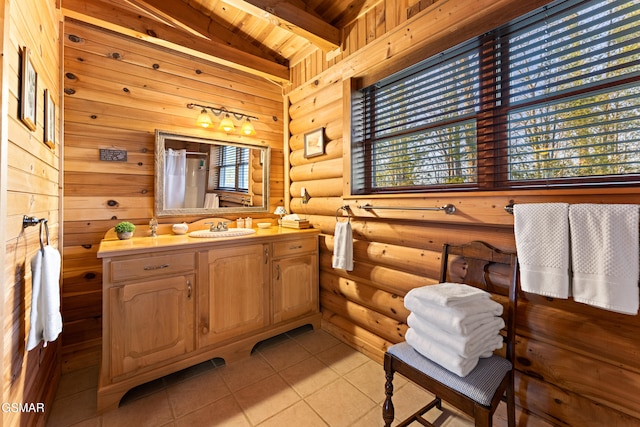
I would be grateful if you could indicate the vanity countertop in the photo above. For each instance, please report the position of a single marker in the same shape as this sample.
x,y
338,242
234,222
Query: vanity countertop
x,y
144,244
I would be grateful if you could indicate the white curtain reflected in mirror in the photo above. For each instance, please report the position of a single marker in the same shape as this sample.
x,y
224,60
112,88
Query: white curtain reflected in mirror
x,y
175,177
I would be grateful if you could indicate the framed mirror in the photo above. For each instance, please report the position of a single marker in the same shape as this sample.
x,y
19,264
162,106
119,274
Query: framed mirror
x,y
200,176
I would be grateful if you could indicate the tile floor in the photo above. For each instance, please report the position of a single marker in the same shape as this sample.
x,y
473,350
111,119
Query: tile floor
x,y
304,378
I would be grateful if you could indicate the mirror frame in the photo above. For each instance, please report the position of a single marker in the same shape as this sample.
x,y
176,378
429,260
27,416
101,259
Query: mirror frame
x,y
160,211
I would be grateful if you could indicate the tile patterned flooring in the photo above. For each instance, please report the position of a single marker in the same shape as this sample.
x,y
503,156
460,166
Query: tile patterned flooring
x,y
303,378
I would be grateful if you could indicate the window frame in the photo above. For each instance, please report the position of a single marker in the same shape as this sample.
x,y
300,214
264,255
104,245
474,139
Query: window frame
x,y
236,166
492,175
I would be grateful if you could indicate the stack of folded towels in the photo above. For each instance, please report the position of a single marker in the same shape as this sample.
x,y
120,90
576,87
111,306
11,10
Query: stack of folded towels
x,y
453,325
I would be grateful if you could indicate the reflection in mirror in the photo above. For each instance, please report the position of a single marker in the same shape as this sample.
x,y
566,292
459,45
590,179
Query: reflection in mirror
x,y
200,176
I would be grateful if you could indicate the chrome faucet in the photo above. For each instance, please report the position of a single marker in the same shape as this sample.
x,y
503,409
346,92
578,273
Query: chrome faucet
x,y
220,226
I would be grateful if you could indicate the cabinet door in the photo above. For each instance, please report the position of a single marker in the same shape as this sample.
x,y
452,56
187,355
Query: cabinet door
x,y
150,323
295,287
234,299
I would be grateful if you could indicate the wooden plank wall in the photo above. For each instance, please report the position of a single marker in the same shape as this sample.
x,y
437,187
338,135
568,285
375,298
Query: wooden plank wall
x,y
118,90
576,365
30,186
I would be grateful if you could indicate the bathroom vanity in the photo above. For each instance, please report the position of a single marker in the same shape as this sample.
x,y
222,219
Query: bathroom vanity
x,y
172,301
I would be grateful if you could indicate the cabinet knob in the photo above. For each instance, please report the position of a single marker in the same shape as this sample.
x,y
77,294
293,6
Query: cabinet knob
x,y
188,289
205,330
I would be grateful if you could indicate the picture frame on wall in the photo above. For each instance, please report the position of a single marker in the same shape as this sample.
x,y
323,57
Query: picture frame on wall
x,y
28,90
314,143
49,120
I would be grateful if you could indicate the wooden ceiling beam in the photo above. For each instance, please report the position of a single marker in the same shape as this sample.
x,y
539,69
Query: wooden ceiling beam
x,y
292,18
241,55
183,16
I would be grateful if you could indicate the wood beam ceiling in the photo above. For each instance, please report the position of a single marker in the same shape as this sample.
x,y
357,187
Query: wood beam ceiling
x,y
292,18
178,26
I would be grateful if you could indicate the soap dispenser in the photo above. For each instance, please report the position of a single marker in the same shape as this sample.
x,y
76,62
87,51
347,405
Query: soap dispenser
x,y
153,226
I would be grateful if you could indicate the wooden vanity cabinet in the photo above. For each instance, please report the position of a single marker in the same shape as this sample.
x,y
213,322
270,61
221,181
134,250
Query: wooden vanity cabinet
x,y
151,322
148,318
295,278
236,300
174,301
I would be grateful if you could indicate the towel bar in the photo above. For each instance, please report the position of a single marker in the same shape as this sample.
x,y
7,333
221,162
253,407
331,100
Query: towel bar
x,y
449,209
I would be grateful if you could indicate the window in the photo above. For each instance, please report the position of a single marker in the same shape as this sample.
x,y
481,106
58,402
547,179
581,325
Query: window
x,y
233,169
551,99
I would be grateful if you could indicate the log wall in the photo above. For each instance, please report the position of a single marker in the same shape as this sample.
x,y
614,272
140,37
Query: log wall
x,y
118,91
30,176
576,365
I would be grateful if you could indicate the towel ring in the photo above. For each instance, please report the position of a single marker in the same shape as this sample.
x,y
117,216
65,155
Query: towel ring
x,y
46,228
346,209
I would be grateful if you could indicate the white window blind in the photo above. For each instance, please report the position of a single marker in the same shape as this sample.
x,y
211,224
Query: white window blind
x,y
234,169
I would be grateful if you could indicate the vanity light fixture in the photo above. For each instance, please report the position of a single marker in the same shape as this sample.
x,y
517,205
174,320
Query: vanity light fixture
x,y
226,124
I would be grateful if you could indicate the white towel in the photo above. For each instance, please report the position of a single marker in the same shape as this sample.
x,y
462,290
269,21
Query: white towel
x,y
465,345
542,242
604,245
447,294
46,321
459,365
461,319
343,246
211,201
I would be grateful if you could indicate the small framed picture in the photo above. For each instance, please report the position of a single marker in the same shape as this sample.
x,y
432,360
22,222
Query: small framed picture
x,y
314,143
49,120
28,90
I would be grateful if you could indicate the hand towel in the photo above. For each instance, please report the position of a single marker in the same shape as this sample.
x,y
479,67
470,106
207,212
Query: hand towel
x,y
542,241
461,319
211,201
447,294
465,345
46,321
459,365
343,246
604,245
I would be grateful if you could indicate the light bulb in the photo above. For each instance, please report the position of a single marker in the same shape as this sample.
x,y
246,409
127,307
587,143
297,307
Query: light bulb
x,y
247,128
227,124
203,119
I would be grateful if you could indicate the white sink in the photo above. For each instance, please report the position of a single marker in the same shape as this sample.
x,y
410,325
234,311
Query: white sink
x,y
232,232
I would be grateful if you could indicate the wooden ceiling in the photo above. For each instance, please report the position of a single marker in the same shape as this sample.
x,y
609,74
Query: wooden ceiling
x,y
262,37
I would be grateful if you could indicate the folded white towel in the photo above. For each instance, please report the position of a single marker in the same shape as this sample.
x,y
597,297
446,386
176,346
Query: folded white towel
x,y
437,353
604,245
447,294
460,319
542,241
343,246
479,341
46,321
